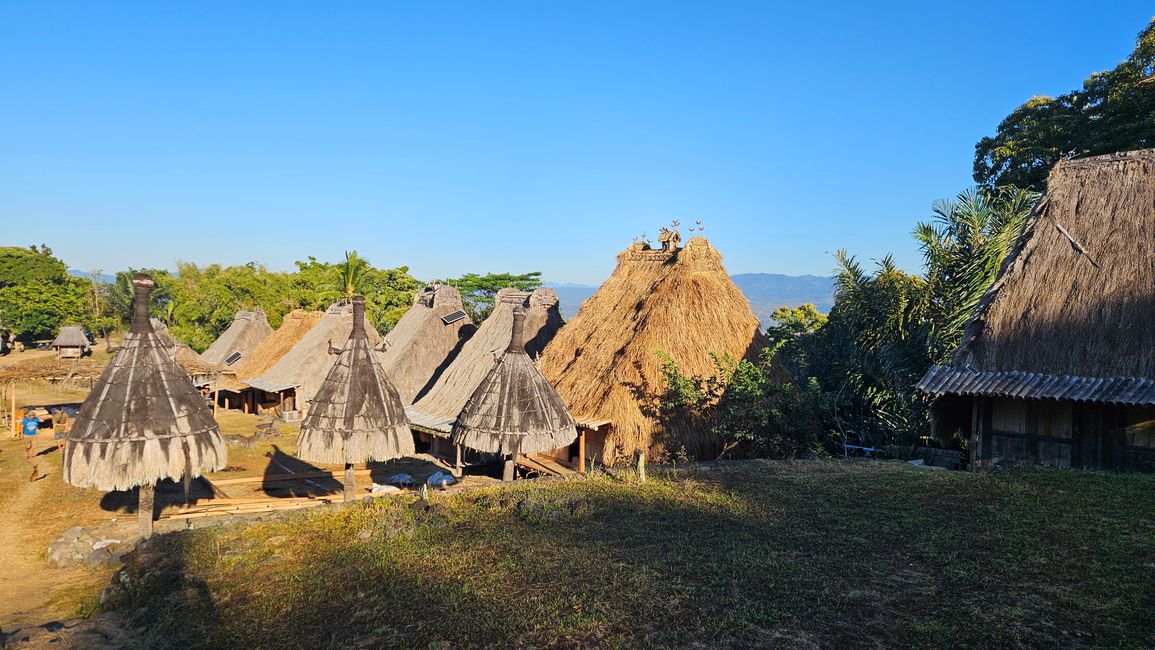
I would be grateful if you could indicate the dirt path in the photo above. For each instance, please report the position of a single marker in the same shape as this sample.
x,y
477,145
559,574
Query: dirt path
x,y
28,584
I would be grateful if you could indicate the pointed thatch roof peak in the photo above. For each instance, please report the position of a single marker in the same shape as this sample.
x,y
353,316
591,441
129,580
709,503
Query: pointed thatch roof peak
x,y
242,337
305,366
356,415
426,340
514,410
453,388
143,420
681,302
1075,302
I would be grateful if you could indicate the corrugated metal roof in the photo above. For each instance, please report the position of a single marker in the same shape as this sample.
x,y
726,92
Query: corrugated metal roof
x,y
944,380
432,422
261,383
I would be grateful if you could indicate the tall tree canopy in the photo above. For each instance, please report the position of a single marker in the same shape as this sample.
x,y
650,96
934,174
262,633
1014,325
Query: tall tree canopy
x,y
37,295
1114,111
479,291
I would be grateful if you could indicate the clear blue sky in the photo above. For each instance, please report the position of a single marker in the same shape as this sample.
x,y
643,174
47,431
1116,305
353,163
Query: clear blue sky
x,y
537,136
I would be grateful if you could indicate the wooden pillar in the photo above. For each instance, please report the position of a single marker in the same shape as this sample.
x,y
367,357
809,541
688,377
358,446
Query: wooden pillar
x,y
582,451
507,471
144,510
457,462
216,394
15,424
350,483
642,466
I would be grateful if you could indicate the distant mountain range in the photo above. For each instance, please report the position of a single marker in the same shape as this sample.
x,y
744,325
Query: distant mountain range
x,y
765,291
100,277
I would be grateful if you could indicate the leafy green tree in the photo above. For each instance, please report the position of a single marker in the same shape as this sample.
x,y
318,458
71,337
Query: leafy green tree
x,y
35,310
1114,111
29,265
479,291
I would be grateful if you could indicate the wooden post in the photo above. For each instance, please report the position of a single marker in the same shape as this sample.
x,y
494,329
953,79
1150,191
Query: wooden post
x,y
507,471
216,393
350,483
582,451
144,510
15,424
642,466
457,462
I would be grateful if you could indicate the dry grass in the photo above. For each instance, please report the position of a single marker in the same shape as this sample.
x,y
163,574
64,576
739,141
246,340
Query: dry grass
x,y
293,327
244,334
605,364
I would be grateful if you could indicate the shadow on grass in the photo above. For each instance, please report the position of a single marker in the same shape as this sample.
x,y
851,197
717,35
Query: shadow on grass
x,y
844,558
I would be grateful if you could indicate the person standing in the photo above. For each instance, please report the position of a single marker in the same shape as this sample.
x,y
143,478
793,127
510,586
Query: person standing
x,y
30,425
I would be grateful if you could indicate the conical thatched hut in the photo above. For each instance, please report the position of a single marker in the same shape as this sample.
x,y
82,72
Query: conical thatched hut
x,y
1057,365
241,338
356,415
434,413
605,362
514,410
71,343
299,373
425,340
144,421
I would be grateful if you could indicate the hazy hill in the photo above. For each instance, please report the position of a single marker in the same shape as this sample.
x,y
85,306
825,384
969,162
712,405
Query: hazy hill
x,y
765,291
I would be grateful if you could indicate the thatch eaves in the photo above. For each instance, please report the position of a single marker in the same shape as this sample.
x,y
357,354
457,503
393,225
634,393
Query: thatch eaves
x,y
356,415
422,344
1073,309
242,337
456,384
144,420
514,410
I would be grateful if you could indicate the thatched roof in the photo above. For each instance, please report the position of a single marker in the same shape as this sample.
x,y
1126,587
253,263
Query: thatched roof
x,y
71,336
480,353
356,415
161,331
294,326
514,410
144,420
1073,309
422,344
243,336
305,366
605,364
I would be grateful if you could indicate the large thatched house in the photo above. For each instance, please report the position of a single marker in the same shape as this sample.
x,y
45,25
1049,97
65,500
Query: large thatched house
x,y
605,363
1057,365
434,413
71,343
514,410
356,415
233,392
295,378
143,421
426,340
241,338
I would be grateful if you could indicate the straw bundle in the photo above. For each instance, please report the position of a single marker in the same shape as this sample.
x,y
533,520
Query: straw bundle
x,y
514,410
356,415
605,362
144,420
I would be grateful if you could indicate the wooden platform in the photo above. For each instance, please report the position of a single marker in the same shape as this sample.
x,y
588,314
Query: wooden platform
x,y
545,465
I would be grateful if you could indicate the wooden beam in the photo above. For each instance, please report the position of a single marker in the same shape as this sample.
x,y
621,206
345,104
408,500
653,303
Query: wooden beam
x,y
284,477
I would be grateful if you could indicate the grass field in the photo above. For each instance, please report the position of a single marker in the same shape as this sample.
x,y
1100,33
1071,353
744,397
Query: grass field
x,y
812,554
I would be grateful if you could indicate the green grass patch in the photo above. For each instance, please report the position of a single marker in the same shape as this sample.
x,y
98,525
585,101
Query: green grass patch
x,y
817,554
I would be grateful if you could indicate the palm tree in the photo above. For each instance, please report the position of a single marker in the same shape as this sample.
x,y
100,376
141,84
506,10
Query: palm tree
x,y
351,279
